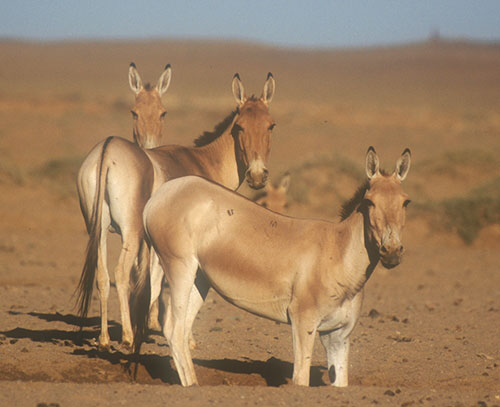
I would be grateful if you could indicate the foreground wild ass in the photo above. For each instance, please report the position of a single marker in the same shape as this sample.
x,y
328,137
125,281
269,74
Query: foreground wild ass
x,y
308,273
236,151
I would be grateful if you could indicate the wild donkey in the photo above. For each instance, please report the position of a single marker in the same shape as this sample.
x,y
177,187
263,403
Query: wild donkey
x,y
236,151
308,273
148,113
274,198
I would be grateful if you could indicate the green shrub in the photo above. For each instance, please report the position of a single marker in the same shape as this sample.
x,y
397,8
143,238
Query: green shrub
x,y
61,174
469,214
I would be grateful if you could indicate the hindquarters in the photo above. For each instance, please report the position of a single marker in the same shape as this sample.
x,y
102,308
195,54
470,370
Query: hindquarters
x,y
114,184
90,185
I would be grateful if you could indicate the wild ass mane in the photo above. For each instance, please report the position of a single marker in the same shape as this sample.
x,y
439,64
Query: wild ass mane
x,y
352,204
208,136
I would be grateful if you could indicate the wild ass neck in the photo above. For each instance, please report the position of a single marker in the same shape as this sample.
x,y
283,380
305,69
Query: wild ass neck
x,y
361,255
225,165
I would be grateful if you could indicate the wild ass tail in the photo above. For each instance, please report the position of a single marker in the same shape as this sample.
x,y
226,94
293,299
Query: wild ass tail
x,y
86,283
141,298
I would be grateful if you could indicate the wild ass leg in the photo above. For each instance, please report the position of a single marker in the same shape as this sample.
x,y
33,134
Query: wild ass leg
x,y
303,334
156,283
181,276
197,297
336,343
103,279
128,255
337,353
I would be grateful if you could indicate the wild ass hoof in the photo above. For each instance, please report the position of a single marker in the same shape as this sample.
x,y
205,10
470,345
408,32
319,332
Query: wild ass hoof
x,y
154,326
126,346
103,347
104,343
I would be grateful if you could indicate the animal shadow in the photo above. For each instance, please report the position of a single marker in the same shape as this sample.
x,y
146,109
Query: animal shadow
x,y
70,337
146,367
274,371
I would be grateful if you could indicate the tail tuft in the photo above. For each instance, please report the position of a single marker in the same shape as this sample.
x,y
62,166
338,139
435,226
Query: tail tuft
x,y
140,300
86,283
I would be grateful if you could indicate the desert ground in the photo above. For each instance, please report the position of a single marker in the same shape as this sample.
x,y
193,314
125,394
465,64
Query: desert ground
x,y
429,329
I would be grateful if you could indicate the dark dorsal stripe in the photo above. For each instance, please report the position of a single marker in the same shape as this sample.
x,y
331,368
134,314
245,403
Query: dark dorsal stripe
x,y
208,136
349,206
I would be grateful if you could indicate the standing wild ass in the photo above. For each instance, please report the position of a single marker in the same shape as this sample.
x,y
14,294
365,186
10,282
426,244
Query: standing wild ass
x,y
274,198
236,151
148,113
308,273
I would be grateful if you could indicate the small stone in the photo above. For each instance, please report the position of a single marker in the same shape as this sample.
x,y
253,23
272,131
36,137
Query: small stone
x,y
216,329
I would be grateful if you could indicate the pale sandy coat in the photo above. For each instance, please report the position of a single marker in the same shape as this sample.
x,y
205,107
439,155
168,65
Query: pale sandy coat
x,y
118,177
308,273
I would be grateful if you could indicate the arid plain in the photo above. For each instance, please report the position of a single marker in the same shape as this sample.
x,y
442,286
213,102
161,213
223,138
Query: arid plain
x,y
429,330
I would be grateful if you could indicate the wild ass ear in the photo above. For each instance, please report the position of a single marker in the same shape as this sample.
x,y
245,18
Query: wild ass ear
x,y
134,79
164,81
285,182
372,163
268,92
238,90
403,165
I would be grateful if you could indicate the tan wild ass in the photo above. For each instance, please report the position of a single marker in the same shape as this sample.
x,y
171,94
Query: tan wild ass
x,y
308,273
274,198
236,151
148,113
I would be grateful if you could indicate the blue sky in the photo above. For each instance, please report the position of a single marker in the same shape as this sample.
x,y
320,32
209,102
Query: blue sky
x,y
308,23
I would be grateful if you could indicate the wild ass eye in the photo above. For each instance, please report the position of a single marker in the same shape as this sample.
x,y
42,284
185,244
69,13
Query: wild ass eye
x,y
272,126
134,114
406,203
162,116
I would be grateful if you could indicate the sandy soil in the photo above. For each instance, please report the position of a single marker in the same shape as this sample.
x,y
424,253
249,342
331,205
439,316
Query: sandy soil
x,y
429,329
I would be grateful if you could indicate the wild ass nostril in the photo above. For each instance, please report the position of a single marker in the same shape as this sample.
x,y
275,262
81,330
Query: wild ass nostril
x,y
265,175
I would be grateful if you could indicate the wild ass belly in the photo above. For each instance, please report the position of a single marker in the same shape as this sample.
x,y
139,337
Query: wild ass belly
x,y
343,316
268,301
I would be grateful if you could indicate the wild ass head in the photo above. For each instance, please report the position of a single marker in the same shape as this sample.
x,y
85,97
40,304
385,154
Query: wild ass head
x,y
252,131
148,111
385,205
274,198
